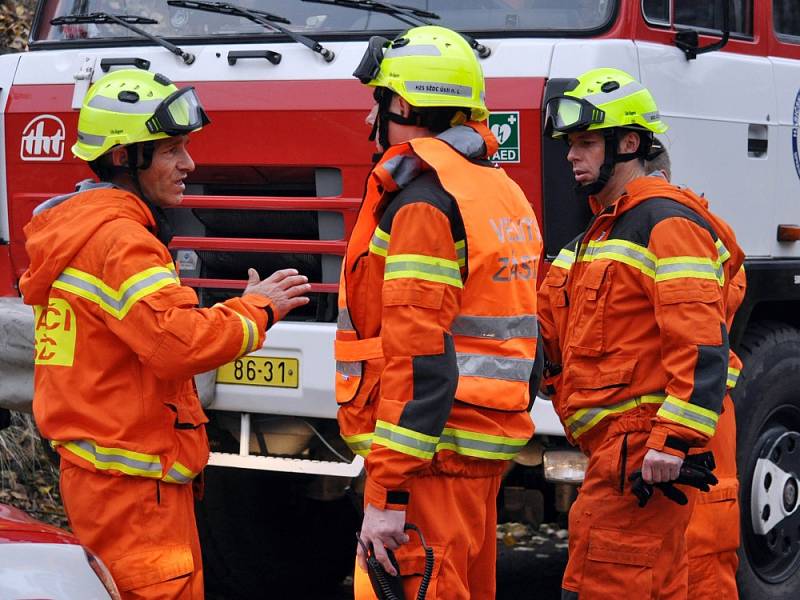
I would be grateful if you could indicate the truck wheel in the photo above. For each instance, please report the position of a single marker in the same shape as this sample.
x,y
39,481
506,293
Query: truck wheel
x,y
767,400
261,537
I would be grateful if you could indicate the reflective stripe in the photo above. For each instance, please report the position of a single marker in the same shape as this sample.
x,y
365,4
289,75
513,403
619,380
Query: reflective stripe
x,y
622,251
439,88
461,253
584,419
129,462
249,335
494,367
380,242
359,443
142,107
348,368
480,445
343,320
622,92
116,302
500,328
565,259
179,474
408,50
660,269
91,139
724,253
428,268
690,415
652,116
689,266
733,377
405,440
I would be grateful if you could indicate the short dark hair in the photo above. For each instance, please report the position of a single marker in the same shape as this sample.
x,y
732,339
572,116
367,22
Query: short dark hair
x,y
103,168
439,119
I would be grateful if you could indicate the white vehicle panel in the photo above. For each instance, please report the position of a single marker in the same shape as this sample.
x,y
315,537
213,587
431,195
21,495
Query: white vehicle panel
x,y
710,114
573,57
36,570
8,66
786,197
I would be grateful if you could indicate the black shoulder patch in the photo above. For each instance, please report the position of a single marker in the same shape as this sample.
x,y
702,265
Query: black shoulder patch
x,y
636,224
425,188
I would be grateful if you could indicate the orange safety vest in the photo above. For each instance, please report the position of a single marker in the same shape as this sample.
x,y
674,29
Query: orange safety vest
x,y
495,335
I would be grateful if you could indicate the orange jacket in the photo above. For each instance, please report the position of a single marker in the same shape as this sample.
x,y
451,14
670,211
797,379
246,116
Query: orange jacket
x,y
633,312
118,338
436,343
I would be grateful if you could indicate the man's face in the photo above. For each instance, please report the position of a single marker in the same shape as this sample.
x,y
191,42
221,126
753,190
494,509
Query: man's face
x,y
587,150
163,181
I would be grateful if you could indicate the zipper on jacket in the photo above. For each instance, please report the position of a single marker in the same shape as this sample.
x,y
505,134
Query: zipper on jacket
x,y
623,463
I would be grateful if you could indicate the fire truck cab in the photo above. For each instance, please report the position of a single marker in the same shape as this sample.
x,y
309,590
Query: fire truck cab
x,y
279,177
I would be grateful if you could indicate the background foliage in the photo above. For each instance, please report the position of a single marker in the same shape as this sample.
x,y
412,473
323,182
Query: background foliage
x,y
15,23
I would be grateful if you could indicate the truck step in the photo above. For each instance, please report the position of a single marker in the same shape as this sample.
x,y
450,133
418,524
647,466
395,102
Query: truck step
x,y
287,465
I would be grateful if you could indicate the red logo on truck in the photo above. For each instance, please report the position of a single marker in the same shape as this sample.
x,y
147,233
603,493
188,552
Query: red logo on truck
x,y
43,139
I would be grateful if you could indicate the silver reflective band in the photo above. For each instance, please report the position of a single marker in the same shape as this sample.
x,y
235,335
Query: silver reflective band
x,y
107,460
348,369
688,414
343,319
91,139
463,445
442,89
117,305
652,116
499,328
418,50
142,107
404,440
177,476
622,92
494,367
690,266
611,248
421,267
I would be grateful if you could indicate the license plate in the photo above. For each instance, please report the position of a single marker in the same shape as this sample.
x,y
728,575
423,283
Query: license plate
x,y
267,371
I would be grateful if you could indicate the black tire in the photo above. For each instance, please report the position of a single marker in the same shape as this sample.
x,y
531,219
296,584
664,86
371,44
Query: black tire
x,y
767,400
262,538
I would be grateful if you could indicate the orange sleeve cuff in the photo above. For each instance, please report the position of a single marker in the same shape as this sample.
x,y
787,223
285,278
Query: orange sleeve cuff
x,y
658,441
382,498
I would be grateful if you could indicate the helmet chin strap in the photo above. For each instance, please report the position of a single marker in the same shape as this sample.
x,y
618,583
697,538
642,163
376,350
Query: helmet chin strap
x,y
612,158
381,125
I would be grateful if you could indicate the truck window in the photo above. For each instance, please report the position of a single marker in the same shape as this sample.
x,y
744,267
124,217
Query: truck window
x,y
786,19
568,17
703,15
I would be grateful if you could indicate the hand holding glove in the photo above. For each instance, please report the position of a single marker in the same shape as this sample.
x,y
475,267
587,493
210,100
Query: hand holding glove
x,y
695,471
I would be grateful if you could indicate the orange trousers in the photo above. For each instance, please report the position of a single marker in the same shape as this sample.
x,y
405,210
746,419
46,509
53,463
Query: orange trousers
x,y
143,530
616,548
458,517
713,534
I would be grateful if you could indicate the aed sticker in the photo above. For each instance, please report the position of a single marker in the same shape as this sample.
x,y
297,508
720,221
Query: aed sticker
x,y
505,127
54,333
795,126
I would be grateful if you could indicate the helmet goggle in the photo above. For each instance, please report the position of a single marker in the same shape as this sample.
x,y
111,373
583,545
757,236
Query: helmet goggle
x,y
566,114
179,113
370,64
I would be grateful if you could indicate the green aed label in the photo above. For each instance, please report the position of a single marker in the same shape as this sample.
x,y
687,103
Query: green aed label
x,y
505,127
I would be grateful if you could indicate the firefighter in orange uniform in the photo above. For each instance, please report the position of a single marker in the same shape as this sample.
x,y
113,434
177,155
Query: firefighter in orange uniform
x,y
712,536
634,324
436,344
118,338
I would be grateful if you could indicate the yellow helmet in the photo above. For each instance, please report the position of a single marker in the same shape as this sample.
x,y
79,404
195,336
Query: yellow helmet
x,y
603,99
132,105
429,67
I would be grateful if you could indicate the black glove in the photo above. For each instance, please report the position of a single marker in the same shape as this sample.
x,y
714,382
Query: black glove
x,y
695,471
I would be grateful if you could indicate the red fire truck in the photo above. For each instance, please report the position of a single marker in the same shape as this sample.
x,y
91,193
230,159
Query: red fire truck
x,y
279,177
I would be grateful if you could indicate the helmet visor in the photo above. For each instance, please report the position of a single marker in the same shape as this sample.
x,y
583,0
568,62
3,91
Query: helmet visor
x,y
179,113
565,114
370,64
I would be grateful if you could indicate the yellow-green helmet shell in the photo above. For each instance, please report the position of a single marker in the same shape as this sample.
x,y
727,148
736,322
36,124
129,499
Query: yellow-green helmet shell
x,y
625,101
433,66
116,109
